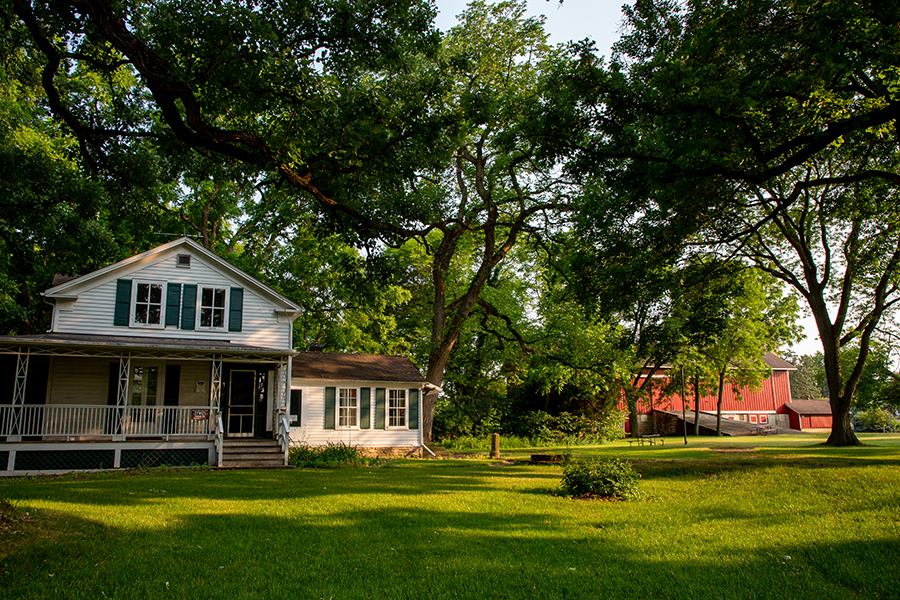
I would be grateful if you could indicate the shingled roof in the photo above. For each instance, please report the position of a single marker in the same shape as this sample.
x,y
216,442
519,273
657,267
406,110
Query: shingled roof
x,y
336,366
809,407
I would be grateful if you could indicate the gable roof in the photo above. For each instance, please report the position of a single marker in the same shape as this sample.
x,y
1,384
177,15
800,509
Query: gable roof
x,y
338,366
776,363
809,407
71,287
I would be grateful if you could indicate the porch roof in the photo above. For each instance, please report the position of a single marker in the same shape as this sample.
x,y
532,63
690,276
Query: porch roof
x,y
74,344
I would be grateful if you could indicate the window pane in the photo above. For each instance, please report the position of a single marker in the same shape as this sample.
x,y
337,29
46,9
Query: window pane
x,y
140,313
154,314
156,293
220,298
143,292
218,318
205,317
206,296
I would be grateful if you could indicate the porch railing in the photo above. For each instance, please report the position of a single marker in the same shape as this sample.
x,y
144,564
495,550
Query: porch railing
x,y
70,420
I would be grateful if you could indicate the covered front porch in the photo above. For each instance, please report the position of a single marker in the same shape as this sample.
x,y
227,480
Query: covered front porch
x,y
73,402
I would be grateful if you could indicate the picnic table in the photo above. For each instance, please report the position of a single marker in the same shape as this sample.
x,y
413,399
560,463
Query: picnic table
x,y
651,439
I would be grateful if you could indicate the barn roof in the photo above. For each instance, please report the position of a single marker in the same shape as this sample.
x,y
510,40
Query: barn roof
x,y
809,407
776,363
354,367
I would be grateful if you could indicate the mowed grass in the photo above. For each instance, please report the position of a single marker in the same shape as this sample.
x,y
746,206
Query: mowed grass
x,y
770,517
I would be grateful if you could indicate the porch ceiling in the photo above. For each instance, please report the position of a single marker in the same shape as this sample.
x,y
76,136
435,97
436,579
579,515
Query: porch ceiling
x,y
107,346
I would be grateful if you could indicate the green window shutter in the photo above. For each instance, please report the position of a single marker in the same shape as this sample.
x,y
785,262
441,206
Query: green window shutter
x,y
173,303
364,421
173,385
329,407
123,303
188,306
379,408
236,309
413,409
296,401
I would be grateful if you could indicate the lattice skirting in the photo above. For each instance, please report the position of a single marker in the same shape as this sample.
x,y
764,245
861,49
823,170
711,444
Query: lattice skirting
x,y
24,460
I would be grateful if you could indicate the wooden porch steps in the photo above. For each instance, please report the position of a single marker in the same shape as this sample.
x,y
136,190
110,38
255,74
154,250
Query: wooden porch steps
x,y
252,453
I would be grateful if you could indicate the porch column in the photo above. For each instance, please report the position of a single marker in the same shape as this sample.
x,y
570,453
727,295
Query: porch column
x,y
215,388
15,416
122,396
284,380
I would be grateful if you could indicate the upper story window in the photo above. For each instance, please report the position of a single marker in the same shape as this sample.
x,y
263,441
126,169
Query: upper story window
x,y
396,408
147,304
212,307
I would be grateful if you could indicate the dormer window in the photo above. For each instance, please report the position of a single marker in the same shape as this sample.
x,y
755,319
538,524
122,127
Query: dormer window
x,y
212,307
147,307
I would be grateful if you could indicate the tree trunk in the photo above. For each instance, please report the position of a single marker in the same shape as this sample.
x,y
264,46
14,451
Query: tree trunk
x,y
719,404
838,397
697,406
841,430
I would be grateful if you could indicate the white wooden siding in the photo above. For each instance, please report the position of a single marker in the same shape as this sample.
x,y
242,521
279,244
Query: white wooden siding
x,y
78,380
93,312
312,430
191,373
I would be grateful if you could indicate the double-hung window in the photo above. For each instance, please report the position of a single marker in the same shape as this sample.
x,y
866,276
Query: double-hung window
x,y
348,407
212,307
396,408
147,307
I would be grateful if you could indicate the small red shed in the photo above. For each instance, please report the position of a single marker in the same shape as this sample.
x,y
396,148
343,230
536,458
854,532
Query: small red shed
x,y
807,415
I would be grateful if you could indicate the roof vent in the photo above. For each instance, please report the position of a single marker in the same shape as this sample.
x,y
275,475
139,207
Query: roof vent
x,y
183,260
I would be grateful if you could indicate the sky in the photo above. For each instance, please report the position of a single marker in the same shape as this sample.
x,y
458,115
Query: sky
x,y
599,20
571,20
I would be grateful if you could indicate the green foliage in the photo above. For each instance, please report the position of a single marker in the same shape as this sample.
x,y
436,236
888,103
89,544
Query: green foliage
x,y
877,419
483,443
457,427
613,478
329,456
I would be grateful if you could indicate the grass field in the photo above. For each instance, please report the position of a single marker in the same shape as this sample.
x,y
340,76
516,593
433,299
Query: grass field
x,y
772,517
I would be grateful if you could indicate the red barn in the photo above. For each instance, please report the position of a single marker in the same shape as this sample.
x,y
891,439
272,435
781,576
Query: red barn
x,y
762,405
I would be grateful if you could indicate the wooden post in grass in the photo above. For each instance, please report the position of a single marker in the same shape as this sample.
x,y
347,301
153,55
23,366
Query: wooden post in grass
x,y
495,445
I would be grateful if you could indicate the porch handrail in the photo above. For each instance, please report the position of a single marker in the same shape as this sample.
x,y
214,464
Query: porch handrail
x,y
88,420
220,438
284,435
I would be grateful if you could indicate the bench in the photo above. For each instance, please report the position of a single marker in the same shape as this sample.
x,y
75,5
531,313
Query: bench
x,y
651,439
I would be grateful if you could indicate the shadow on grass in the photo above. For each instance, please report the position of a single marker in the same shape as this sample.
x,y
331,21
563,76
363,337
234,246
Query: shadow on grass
x,y
415,552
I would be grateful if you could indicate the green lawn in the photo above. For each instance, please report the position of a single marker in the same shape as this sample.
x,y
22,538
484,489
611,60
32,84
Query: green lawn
x,y
720,520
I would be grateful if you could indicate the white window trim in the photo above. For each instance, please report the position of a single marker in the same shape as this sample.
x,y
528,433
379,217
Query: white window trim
x,y
387,408
133,305
199,306
159,399
337,408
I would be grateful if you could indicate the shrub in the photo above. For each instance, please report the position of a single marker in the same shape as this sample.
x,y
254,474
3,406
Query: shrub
x,y
329,456
483,442
611,478
877,418
451,421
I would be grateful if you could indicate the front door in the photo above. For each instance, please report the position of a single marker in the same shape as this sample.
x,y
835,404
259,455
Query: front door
x,y
241,402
